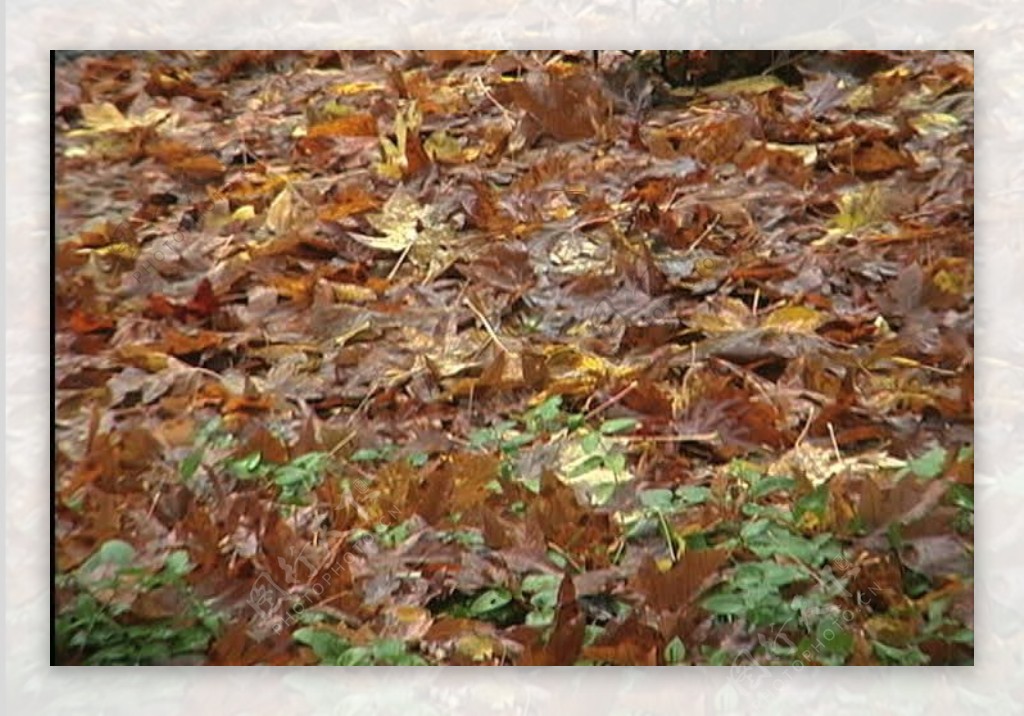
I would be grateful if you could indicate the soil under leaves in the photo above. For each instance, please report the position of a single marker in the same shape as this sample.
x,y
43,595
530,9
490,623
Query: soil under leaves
x,y
504,358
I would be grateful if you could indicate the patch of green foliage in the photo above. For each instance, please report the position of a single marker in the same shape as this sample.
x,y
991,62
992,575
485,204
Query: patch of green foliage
x,y
551,423
333,650
97,631
295,480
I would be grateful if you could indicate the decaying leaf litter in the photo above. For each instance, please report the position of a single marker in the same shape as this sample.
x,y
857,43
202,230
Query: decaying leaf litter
x,y
504,358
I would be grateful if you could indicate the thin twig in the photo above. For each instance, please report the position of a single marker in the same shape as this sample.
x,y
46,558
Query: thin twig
x,y
835,443
668,535
566,556
612,400
342,443
362,404
487,324
366,399
704,234
807,428
487,93
398,263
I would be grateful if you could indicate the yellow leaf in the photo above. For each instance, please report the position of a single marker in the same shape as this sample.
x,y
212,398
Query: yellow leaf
x,y
475,646
244,213
807,153
353,293
395,161
143,357
105,117
120,250
443,147
281,213
860,208
934,123
598,482
756,84
794,319
397,221
731,315
351,88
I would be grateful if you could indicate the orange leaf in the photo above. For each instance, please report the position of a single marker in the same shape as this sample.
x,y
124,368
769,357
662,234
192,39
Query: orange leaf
x,y
201,168
351,200
879,158
354,125
81,323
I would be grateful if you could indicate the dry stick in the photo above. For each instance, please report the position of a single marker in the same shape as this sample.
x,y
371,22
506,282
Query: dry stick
x,y
835,444
366,399
487,93
748,378
398,263
156,500
487,325
612,400
704,234
900,360
668,535
566,556
342,443
807,428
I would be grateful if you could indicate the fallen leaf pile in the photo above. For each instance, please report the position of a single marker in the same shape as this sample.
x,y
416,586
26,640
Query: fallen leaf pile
x,y
480,358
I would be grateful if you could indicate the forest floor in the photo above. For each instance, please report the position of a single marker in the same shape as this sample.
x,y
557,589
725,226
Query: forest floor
x,y
511,358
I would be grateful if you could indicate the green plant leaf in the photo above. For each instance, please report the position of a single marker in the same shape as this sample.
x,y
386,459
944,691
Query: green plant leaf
x,y
961,496
658,499
618,425
533,583
675,651
834,638
367,455
725,604
489,601
514,442
115,551
388,650
590,443
930,464
177,563
815,503
693,494
251,462
911,656
479,438
548,411
356,656
768,485
616,462
589,464
191,463
327,645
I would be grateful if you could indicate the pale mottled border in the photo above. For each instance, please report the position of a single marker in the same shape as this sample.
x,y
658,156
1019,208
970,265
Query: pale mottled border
x,y
993,28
